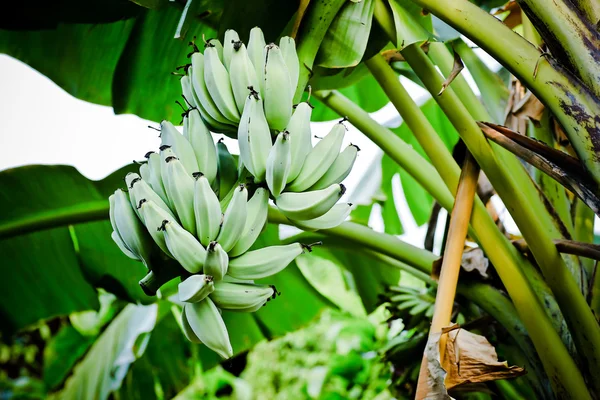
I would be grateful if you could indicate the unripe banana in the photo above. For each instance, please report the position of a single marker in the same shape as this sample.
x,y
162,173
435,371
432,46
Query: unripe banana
x,y
195,288
254,137
309,205
202,144
257,264
129,229
207,324
241,297
216,78
242,75
340,168
256,51
139,189
208,108
320,158
188,91
228,173
231,37
217,261
217,45
207,211
145,172
183,246
153,216
301,141
155,177
279,163
278,93
258,208
182,148
119,242
288,50
330,219
187,329
179,186
234,219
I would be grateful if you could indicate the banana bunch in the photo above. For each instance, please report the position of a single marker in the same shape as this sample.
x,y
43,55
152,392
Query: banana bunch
x,y
250,90
187,205
193,211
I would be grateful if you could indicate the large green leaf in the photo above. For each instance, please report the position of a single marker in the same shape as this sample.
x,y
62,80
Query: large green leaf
x,y
106,364
50,269
127,63
412,25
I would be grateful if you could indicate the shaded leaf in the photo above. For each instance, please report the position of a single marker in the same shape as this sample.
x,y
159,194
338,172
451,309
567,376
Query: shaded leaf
x,y
106,364
411,24
42,260
62,352
346,39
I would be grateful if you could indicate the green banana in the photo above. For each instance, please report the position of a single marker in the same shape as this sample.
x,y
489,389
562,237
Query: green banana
x,y
301,140
257,264
277,93
258,207
155,176
179,186
188,332
320,158
207,324
231,37
184,247
242,297
129,232
121,245
153,216
234,219
278,163
188,91
227,170
216,78
288,50
254,137
309,205
170,136
340,168
195,288
242,75
208,119
202,144
330,219
206,101
139,189
256,51
217,261
215,43
207,210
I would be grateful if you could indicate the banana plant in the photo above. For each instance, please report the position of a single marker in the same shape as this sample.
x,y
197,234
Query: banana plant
x,y
193,211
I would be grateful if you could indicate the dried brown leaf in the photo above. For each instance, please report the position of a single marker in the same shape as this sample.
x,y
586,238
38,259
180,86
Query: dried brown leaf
x,y
468,358
474,260
456,68
513,18
392,55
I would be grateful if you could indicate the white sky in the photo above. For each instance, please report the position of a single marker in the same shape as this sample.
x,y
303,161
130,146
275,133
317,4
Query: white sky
x,y
42,124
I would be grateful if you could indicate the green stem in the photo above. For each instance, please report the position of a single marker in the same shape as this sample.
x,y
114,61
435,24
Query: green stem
x,y
583,230
537,227
570,101
508,263
81,212
314,25
569,36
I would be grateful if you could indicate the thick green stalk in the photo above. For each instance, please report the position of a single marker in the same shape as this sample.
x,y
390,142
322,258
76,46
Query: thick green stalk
x,y
572,103
570,37
523,206
558,364
442,57
83,212
314,25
